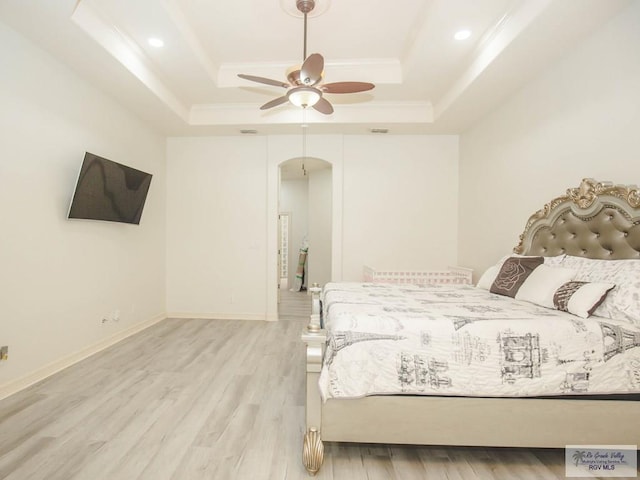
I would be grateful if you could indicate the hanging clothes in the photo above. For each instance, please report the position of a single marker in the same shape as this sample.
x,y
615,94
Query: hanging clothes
x,y
300,282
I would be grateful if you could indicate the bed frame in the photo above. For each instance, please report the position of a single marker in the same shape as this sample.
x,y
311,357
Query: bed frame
x,y
595,220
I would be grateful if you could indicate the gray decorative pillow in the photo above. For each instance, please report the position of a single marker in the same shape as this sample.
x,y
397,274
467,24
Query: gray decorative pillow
x,y
513,273
581,298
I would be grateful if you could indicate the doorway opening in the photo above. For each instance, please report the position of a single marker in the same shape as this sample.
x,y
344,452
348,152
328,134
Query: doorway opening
x,y
304,224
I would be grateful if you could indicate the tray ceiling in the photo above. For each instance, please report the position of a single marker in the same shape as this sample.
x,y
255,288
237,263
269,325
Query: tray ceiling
x,y
426,81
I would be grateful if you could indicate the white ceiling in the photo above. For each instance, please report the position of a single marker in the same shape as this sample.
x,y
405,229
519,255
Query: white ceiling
x,y
425,80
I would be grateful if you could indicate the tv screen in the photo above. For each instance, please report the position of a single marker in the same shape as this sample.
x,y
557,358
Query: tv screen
x,y
109,191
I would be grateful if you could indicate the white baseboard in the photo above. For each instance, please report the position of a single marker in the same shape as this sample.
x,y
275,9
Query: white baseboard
x,y
58,365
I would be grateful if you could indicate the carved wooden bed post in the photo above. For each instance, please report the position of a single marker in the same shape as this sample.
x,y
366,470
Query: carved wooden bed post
x,y
315,338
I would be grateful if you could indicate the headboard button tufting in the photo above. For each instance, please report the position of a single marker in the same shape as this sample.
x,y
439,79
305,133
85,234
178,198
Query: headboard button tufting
x,y
595,220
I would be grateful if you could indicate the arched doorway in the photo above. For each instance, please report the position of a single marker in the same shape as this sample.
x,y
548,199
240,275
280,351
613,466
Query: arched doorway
x,y
282,148
304,223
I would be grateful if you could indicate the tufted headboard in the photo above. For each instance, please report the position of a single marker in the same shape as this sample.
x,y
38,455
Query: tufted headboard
x,y
595,220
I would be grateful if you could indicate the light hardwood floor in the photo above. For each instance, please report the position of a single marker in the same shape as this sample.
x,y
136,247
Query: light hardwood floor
x,y
211,399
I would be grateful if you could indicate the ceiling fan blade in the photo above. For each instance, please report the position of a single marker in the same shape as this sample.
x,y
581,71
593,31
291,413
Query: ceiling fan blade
x,y
274,103
347,87
268,81
323,106
311,70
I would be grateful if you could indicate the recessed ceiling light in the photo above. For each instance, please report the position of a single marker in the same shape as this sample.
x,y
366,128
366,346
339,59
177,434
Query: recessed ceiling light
x,y
156,42
462,34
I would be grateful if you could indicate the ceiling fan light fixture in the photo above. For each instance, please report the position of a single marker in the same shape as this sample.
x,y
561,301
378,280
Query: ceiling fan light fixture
x,y
304,96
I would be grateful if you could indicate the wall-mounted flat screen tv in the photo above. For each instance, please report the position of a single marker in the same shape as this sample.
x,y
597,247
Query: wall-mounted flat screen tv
x,y
109,191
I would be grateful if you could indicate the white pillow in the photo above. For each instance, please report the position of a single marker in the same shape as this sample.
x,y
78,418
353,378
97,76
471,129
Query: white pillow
x,y
541,285
581,298
487,278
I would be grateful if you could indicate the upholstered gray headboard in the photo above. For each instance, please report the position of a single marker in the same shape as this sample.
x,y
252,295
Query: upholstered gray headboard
x,y
594,220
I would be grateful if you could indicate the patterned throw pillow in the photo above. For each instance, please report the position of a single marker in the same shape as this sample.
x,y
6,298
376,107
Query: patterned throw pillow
x,y
581,298
541,286
623,303
490,274
513,273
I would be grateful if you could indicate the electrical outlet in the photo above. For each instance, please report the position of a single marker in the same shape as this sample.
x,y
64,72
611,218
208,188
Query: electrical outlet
x,y
4,353
116,316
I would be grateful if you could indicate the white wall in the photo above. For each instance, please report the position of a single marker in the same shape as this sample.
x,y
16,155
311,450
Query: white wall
x,y
400,202
579,119
397,207
60,277
320,209
294,199
216,227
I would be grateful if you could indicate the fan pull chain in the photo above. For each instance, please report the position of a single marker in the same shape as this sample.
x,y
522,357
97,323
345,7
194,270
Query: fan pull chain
x,y
304,140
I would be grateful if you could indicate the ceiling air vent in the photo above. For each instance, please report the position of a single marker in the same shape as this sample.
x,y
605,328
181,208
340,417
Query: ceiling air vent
x,y
247,131
379,130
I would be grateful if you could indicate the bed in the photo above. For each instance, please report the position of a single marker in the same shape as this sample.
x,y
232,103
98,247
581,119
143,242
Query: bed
x,y
580,255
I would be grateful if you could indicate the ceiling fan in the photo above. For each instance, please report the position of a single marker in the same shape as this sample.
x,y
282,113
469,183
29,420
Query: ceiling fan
x,y
305,88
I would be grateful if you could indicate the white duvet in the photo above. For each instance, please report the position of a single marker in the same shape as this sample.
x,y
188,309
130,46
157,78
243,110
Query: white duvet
x,y
460,340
